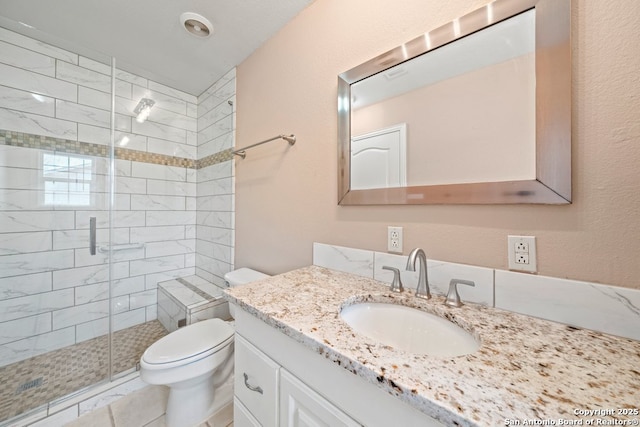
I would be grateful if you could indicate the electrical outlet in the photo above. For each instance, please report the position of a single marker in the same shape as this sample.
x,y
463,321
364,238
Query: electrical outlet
x,y
522,253
394,239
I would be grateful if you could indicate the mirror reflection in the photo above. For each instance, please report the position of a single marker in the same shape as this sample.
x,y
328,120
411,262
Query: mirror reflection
x,y
462,113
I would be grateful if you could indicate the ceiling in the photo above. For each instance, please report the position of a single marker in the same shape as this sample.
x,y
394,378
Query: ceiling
x,y
146,36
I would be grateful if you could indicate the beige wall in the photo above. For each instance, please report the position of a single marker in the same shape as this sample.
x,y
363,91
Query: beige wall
x,y
286,197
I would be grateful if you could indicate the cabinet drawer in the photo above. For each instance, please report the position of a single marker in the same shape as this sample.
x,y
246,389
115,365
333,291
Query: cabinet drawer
x,y
242,417
256,382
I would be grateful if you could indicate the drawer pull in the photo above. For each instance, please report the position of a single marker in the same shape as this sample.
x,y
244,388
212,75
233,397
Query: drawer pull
x,y
246,383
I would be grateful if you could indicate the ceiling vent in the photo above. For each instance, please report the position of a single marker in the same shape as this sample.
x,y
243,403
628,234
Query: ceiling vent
x,y
196,24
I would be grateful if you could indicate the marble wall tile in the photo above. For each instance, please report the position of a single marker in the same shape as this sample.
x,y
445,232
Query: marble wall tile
x,y
84,258
355,261
20,243
153,202
91,293
37,46
120,304
27,59
35,221
160,131
219,202
175,93
37,83
215,130
18,157
173,247
215,145
35,345
213,266
79,314
82,114
156,265
157,234
27,284
216,86
131,185
83,76
215,187
120,219
222,236
215,250
159,218
171,148
166,102
38,262
21,100
602,308
173,119
74,239
24,327
31,305
101,67
40,125
215,219
151,312
217,171
128,285
63,279
143,299
151,280
128,319
192,110
167,173
95,98
93,329
21,179
215,114
171,188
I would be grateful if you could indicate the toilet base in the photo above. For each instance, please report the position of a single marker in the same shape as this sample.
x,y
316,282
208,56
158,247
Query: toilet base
x,y
192,402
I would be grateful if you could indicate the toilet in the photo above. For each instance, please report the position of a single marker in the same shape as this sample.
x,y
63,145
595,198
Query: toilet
x,y
196,363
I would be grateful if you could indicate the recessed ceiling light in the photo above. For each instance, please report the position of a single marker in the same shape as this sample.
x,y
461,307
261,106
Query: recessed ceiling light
x,y
196,24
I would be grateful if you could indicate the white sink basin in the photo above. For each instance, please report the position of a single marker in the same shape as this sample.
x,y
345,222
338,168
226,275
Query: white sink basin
x,y
409,329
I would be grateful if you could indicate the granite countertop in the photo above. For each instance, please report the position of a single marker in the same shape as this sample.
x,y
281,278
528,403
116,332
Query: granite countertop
x,y
525,369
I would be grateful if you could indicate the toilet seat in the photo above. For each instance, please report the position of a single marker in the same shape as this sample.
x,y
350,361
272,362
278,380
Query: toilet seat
x,y
186,345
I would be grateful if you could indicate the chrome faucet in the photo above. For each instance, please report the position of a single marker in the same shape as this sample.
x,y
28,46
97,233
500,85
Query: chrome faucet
x,y
422,290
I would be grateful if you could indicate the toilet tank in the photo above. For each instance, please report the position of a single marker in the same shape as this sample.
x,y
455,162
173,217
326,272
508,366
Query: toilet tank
x,y
240,277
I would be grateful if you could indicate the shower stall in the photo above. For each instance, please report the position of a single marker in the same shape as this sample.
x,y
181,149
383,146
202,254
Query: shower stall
x,y
99,174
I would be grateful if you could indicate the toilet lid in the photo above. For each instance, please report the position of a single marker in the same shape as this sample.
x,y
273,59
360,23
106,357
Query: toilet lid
x,y
190,341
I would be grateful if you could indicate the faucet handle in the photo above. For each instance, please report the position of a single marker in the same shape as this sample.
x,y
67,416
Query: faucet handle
x,y
396,285
453,298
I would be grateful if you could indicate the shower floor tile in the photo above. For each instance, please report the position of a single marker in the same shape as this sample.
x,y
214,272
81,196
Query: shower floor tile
x,y
35,382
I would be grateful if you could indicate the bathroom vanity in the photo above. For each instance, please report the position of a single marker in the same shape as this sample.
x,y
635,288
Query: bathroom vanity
x,y
296,359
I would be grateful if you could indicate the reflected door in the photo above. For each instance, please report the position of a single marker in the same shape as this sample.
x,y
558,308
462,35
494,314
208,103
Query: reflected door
x,y
379,159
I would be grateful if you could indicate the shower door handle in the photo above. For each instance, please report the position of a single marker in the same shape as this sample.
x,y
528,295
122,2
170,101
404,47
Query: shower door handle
x,y
92,235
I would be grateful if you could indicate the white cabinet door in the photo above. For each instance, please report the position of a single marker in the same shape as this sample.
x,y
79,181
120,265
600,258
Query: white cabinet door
x,y
300,406
256,382
242,417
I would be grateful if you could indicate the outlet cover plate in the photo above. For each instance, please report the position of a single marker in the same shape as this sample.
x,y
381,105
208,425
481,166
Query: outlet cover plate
x,y
521,252
394,240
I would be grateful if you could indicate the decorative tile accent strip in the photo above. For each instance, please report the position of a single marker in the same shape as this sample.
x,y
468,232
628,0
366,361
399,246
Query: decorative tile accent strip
x,y
27,140
219,157
198,291
158,159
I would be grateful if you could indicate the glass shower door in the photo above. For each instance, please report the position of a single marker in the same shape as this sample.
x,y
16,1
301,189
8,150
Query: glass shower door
x,y
55,191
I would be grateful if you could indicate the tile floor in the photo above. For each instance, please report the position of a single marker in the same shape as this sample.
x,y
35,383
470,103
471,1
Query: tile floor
x,y
42,379
143,408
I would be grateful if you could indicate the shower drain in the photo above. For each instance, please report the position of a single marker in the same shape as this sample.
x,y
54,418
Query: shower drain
x,y
29,385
